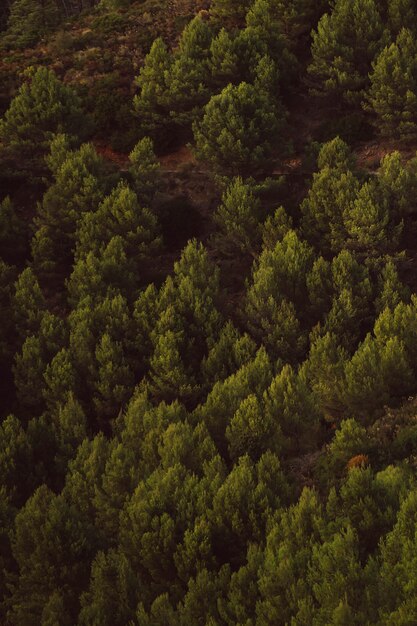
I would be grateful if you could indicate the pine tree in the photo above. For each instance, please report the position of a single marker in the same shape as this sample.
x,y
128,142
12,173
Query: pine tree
x,y
30,20
391,290
169,378
324,371
344,45
401,14
336,572
119,215
28,304
151,103
224,399
282,581
252,431
290,408
7,315
320,287
43,106
224,58
350,314
279,275
228,355
263,36
392,95
71,429
397,183
110,599
115,379
15,461
230,11
376,373
107,272
332,193
275,227
78,188
238,218
188,76
239,130
145,171
370,226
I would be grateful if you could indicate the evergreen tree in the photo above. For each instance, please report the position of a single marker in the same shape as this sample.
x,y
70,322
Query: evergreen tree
x,y
324,370
344,45
230,11
275,227
290,407
331,195
238,218
120,215
145,170
290,541
43,106
391,290
30,20
369,224
277,295
375,374
188,76
7,314
397,183
151,104
239,130
228,355
110,599
226,396
115,379
401,14
78,188
392,96
335,572
28,304
350,314
252,431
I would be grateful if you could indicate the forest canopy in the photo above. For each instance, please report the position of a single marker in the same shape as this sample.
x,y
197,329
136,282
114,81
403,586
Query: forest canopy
x,y
208,334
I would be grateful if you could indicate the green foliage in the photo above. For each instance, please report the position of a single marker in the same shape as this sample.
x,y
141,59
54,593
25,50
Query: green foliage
x,y
275,299
145,170
369,224
30,20
188,76
118,217
344,45
238,218
78,188
392,96
43,106
239,129
185,439
333,191
28,304
150,104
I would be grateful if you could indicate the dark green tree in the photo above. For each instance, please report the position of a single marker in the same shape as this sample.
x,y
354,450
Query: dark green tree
x,y
238,218
43,106
239,131
78,188
392,95
30,20
344,45
145,170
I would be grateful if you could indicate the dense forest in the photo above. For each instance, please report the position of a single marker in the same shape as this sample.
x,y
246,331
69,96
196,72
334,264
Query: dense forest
x,y
208,338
